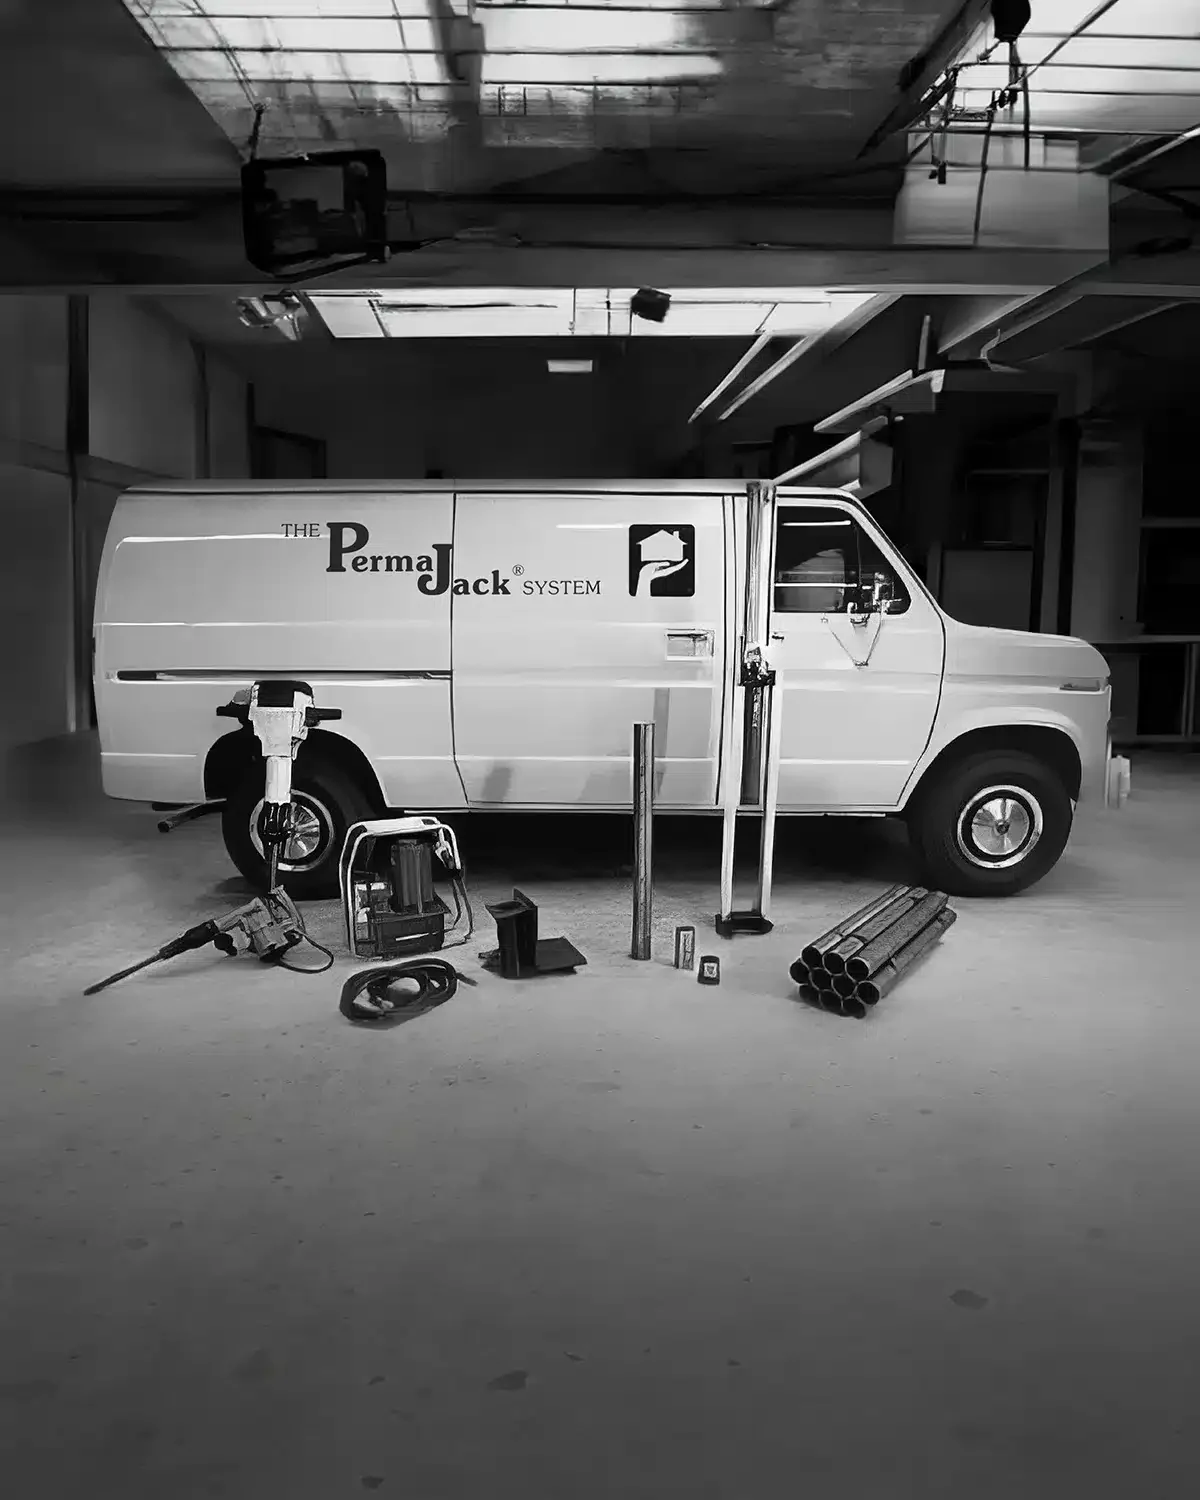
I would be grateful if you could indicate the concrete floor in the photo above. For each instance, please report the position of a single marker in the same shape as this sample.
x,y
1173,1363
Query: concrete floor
x,y
613,1235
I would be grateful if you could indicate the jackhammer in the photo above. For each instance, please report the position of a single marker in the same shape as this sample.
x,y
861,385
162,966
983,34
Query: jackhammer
x,y
280,713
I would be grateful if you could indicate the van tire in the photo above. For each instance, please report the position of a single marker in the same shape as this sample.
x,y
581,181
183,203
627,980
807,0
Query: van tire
x,y
964,850
328,802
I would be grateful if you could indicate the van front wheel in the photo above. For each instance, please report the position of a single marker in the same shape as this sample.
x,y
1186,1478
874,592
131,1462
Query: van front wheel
x,y
991,825
325,803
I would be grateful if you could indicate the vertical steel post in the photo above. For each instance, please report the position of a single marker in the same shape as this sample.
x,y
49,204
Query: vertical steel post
x,y
643,837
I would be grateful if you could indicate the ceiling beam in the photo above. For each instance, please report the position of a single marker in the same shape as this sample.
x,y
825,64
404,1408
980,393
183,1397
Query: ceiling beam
x,y
1134,158
924,71
969,318
819,345
844,449
1080,319
747,359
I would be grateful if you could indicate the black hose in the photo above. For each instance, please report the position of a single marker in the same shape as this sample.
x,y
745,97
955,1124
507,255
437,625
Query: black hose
x,y
281,959
365,995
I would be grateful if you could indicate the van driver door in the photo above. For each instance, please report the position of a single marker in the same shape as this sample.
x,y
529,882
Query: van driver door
x,y
858,695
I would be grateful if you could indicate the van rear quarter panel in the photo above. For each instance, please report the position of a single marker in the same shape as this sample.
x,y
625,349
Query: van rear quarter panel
x,y
209,590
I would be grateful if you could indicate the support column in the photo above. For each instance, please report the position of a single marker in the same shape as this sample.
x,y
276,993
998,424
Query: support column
x,y
1107,531
80,712
1107,554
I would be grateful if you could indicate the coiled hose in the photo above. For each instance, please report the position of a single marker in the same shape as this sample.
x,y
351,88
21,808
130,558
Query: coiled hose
x,y
366,997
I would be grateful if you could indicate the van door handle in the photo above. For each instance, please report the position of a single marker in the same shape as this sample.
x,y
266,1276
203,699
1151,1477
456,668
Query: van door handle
x,y
689,643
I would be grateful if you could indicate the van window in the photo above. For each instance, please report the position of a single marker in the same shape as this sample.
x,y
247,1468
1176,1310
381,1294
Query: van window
x,y
824,561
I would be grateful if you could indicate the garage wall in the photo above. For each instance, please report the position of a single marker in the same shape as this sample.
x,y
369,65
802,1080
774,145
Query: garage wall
x,y
35,514
33,370
145,414
391,411
144,388
35,598
227,425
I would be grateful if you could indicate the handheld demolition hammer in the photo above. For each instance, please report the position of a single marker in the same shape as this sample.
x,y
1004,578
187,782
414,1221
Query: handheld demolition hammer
x,y
281,714
269,925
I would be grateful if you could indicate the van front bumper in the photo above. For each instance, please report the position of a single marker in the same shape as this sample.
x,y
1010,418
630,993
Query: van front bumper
x,y
1117,778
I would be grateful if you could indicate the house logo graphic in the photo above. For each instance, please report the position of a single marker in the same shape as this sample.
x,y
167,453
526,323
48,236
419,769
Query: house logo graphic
x,y
662,561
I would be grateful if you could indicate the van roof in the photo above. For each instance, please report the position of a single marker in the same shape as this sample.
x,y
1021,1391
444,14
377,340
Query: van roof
x,y
424,486
462,486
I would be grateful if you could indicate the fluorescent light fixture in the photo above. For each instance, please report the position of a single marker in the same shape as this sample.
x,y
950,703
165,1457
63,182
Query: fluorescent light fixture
x,y
569,366
583,312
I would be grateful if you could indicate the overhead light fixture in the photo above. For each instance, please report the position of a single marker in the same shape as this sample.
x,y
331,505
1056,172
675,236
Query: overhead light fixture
x,y
650,304
569,366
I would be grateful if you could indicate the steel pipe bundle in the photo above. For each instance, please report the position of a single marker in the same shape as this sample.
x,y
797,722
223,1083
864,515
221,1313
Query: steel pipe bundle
x,y
815,986
848,969
871,991
814,955
864,963
866,932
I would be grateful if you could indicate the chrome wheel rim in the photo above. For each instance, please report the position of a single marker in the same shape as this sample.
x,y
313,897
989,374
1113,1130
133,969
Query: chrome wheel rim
x,y
312,830
999,827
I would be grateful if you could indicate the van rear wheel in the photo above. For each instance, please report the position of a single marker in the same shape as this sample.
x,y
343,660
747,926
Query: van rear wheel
x,y
325,802
992,825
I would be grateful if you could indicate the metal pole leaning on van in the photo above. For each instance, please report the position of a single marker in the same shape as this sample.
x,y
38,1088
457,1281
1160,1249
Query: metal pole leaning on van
x,y
643,837
752,723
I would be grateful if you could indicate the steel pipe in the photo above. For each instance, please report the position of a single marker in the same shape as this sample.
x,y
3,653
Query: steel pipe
x,y
799,971
853,1006
871,991
814,954
864,963
643,838
867,932
831,1002
809,994
843,985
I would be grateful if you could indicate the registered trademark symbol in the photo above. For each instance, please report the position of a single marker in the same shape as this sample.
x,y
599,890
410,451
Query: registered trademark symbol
x,y
517,570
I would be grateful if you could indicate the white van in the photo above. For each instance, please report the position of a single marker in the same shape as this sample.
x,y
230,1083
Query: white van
x,y
491,645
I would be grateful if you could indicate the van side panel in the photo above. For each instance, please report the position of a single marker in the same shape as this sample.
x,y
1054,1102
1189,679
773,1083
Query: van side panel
x,y
201,594
592,613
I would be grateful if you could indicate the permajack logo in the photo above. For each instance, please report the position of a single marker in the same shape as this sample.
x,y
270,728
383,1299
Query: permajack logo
x,y
432,567
433,570
662,561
